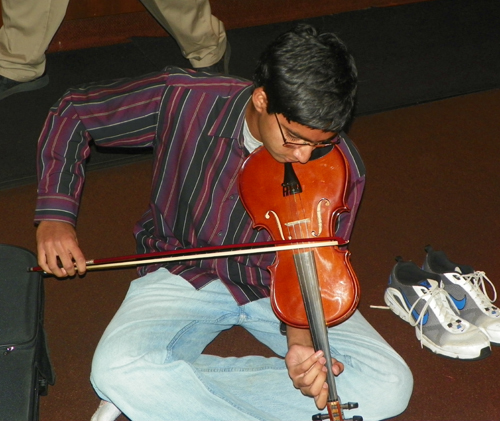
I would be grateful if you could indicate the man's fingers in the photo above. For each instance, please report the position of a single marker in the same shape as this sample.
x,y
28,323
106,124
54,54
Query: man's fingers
x,y
321,399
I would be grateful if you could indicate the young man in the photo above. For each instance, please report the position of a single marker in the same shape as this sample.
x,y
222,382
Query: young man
x,y
149,362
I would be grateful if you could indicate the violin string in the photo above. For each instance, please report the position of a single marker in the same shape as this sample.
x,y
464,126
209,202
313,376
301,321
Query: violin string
x,y
305,226
302,229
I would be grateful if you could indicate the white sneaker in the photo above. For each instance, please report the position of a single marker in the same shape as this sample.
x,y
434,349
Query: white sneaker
x,y
106,412
468,291
416,297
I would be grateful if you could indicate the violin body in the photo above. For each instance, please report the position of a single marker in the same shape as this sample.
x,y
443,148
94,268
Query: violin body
x,y
310,214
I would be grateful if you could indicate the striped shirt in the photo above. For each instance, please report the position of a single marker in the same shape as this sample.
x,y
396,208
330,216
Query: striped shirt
x,y
194,125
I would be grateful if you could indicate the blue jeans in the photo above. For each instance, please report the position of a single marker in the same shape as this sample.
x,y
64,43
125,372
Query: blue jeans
x,y
149,362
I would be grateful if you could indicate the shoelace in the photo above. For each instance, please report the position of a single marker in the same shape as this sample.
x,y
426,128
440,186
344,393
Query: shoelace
x,y
477,279
442,302
476,287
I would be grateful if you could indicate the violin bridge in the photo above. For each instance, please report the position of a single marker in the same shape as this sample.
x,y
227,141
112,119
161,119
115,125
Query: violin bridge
x,y
298,222
302,222
296,227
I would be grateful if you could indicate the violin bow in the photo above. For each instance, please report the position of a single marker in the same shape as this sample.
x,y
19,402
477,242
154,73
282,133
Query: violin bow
x,y
211,252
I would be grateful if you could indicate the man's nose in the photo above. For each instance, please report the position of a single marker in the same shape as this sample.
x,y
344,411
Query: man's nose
x,y
303,154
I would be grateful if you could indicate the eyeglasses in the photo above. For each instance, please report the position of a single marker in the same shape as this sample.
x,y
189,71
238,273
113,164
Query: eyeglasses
x,y
335,140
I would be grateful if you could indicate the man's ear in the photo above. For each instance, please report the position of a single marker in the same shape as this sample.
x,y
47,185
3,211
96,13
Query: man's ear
x,y
259,99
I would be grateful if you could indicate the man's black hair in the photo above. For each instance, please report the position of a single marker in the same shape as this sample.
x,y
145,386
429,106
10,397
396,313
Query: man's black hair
x,y
308,77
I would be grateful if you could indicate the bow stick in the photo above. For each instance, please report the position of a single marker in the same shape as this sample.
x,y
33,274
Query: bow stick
x,y
206,252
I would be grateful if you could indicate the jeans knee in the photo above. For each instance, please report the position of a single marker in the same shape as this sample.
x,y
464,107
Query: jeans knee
x,y
102,375
108,369
382,392
395,394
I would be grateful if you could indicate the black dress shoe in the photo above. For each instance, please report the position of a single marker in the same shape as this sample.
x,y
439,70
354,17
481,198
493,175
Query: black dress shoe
x,y
9,87
222,66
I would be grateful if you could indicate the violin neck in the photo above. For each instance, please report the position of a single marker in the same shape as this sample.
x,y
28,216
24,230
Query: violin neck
x,y
311,294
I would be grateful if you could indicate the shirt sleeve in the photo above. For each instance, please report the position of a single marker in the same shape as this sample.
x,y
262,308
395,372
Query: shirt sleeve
x,y
357,175
121,113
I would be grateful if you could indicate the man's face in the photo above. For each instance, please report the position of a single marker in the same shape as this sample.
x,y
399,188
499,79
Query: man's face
x,y
289,141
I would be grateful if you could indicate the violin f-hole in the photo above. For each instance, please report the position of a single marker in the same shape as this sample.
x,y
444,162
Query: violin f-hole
x,y
278,222
321,203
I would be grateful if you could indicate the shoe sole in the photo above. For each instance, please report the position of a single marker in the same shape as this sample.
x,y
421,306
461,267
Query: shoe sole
x,y
26,87
395,306
227,58
431,346
393,298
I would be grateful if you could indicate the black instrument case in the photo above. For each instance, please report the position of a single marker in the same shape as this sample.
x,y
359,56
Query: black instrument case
x,y
25,368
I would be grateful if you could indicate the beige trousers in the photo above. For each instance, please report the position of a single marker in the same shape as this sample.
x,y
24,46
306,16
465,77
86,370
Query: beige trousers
x,y
29,26
200,35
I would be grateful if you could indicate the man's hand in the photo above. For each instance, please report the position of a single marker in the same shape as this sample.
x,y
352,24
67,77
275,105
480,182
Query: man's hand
x,y
58,251
307,368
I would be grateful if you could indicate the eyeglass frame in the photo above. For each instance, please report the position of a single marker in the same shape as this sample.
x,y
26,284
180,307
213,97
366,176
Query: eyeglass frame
x,y
330,142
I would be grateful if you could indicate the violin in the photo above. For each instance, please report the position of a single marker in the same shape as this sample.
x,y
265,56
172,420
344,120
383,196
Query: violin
x,y
314,287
